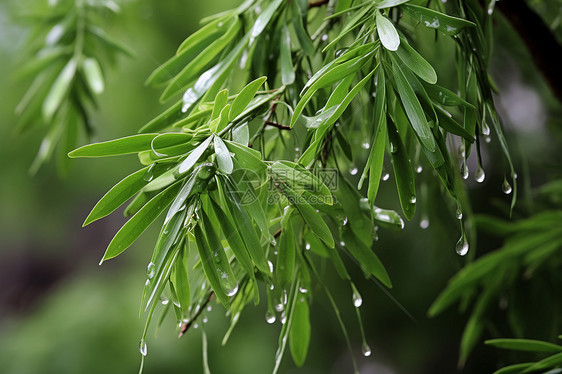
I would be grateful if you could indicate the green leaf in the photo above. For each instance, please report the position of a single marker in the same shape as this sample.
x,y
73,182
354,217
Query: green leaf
x,y
135,226
387,32
180,280
58,90
194,156
415,62
450,125
310,216
116,147
435,20
208,264
247,158
517,368
220,260
119,194
546,363
286,254
387,218
224,160
367,259
93,75
285,58
263,19
524,345
300,179
300,30
445,97
413,109
299,334
245,97
403,172
220,102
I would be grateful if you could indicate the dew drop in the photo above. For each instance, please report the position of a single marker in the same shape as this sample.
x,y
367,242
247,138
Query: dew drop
x,y
424,223
413,199
270,264
393,148
506,187
209,308
283,318
279,307
151,270
419,169
195,326
462,246
487,139
462,151
324,37
480,175
270,317
307,246
303,290
366,350
357,299
464,171
458,214
385,177
142,347
164,300
232,291
366,145
485,129
345,220
354,171
342,243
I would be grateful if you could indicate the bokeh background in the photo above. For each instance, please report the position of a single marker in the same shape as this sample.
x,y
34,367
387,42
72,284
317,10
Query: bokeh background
x,y
62,313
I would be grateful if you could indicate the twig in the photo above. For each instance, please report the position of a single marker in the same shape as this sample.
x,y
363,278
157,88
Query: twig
x,y
318,3
188,324
278,125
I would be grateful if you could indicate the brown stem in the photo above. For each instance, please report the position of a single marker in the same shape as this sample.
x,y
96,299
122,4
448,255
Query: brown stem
x,y
188,324
543,46
278,125
318,3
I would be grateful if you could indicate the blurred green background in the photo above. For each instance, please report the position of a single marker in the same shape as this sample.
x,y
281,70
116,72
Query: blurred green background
x,y
62,313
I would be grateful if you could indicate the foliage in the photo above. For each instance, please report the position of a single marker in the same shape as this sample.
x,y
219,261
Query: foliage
x,y
249,163
66,53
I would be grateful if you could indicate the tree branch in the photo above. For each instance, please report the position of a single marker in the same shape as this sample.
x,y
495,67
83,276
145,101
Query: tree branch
x,y
545,49
278,125
318,3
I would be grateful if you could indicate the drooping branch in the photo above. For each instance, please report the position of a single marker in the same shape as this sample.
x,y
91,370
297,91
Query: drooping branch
x,y
545,49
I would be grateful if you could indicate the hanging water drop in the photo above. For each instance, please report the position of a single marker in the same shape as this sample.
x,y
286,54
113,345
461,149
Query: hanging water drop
x,y
148,176
324,37
307,246
480,175
487,139
270,317
462,246
283,318
232,291
485,129
385,177
366,350
209,308
366,145
393,148
142,347
270,265
354,171
506,187
413,199
357,299
458,213
151,270
303,290
419,169
424,223
464,170
342,243
345,220
461,150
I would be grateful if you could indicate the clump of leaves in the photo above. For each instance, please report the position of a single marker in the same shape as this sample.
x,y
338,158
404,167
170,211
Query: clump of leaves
x,y
66,54
253,184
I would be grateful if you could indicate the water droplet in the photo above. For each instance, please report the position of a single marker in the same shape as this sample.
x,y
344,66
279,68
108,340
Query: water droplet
x,y
324,37
270,265
142,347
491,7
366,145
148,176
209,308
220,24
487,139
303,290
413,199
151,270
366,350
419,169
164,300
342,243
279,307
357,299
345,220
283,318
195,326
506,187
485,129
480,175
233,290
385,177
354,171
205,320
461,151
424,223
458,214
270,317
393,148
464,171
462,246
